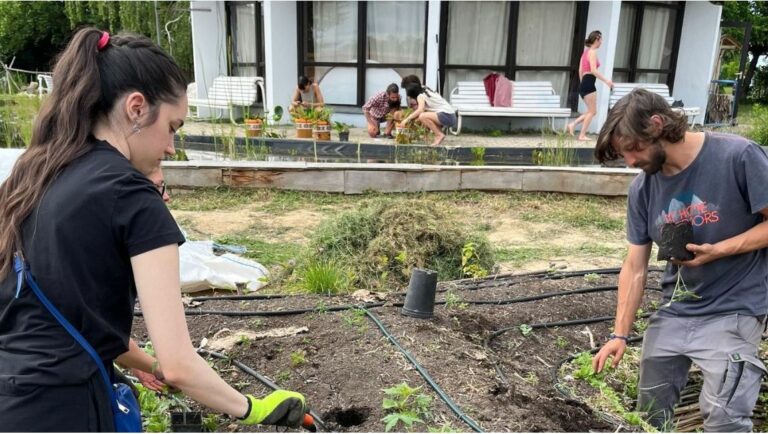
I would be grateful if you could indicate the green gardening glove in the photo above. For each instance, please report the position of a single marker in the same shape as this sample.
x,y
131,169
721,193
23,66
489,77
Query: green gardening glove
x,y
281,408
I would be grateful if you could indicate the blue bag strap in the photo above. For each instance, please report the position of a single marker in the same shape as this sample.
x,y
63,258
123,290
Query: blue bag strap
x,y
21,267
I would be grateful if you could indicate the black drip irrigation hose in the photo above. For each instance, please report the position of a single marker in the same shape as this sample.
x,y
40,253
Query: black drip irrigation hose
x,y
288,312
264,380
466,419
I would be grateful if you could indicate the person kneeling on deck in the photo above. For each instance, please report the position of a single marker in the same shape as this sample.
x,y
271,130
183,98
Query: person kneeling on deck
x,y
715,291
379,106
433,111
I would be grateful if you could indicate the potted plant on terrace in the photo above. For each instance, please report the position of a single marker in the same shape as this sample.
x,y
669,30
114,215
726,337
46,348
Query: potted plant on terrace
x,y
322,126
343,130
302,118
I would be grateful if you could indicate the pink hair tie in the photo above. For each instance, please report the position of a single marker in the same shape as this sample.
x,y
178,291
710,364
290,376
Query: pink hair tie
x,y
103,41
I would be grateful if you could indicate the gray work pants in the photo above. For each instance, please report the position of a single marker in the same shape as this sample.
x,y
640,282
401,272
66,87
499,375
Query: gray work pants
x,y
724,347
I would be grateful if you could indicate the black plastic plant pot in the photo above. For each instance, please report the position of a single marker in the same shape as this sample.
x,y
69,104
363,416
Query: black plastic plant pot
x,y
674,237
420,297
183,421
344,136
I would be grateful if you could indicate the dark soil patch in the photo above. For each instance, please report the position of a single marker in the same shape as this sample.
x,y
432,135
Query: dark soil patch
x,y
347,360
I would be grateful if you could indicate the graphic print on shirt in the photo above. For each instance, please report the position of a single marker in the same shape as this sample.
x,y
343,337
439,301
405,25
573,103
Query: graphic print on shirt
x,y
689,207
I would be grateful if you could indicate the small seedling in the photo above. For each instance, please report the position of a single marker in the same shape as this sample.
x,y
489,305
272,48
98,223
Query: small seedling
x,y
283,376
355,318
525,329
211,423
244,340
470,262
453,301
592,277
321,307
561,342
446,427
406,405
298,358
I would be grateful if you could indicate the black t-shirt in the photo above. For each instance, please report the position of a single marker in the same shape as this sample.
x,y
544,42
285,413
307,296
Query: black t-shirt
x,y
97,214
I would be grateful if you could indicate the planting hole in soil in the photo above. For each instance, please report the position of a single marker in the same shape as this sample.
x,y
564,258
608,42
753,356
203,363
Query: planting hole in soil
x,y
345,418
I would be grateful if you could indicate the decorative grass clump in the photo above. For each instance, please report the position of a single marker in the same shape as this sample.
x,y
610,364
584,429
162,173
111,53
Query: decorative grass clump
x,y
383,240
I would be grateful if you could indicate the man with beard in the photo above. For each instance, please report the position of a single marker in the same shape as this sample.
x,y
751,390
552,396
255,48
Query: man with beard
x,y
717,184
379,106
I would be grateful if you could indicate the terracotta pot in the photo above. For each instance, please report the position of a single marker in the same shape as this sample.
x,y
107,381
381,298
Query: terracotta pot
x,y
321,131
303,129
253,127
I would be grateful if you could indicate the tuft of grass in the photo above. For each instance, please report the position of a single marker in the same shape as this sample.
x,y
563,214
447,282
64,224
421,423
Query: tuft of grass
x,y
321,277
555,152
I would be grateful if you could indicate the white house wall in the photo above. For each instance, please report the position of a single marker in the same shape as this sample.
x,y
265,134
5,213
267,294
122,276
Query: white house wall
x,y
699,46
209,44
433,38
280,52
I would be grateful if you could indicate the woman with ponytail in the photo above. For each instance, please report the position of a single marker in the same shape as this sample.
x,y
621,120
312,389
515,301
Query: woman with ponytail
x,y
95,235
588,76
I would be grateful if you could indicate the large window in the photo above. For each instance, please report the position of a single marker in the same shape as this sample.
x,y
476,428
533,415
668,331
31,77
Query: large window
x,y
246,39
523,40
649,37
355,49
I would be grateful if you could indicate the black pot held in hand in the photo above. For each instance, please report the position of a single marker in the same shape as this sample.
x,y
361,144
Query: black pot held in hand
x,y
674,237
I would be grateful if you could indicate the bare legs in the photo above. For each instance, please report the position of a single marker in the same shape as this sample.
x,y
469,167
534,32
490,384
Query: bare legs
x,y
591,101
429,120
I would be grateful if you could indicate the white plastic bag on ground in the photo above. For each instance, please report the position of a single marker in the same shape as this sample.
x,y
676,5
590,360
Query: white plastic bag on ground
x,y
201,269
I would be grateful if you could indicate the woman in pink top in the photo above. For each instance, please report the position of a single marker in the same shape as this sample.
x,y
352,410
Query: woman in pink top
x,y
588,74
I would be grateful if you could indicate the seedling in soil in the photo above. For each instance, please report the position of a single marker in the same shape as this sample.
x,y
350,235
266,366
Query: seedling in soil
x,y
470,262
607,398
404,404
446,427
592,277
453,301
244,340
298,358
561,342
211,423
525,329
321,307
355,318
283,376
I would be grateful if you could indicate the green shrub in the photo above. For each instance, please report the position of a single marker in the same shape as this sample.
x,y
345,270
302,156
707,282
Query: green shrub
x,y
759,125
381,242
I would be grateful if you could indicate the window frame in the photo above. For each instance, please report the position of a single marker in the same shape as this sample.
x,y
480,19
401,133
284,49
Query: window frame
x,y
634,43
303,15
231,64
510,67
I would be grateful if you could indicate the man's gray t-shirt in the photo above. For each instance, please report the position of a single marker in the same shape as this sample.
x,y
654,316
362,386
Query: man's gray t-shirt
x,y
721,193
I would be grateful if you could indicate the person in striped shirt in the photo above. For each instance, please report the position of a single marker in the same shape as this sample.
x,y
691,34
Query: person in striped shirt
x,y
379,106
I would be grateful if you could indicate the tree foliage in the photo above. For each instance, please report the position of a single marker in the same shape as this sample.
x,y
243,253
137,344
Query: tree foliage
x,y
34,32
756,13
31,32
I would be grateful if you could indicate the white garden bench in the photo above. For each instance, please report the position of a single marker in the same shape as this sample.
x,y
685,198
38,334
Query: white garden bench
x,y
531,99
622,89
226,93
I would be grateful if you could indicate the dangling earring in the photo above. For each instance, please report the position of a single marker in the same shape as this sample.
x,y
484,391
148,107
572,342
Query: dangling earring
x,y
136,128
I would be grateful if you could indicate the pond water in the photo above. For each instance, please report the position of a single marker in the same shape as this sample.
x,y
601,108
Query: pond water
x,y
286,150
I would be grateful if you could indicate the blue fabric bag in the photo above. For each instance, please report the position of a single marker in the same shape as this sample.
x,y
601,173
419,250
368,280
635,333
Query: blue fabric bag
x,y
125,408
